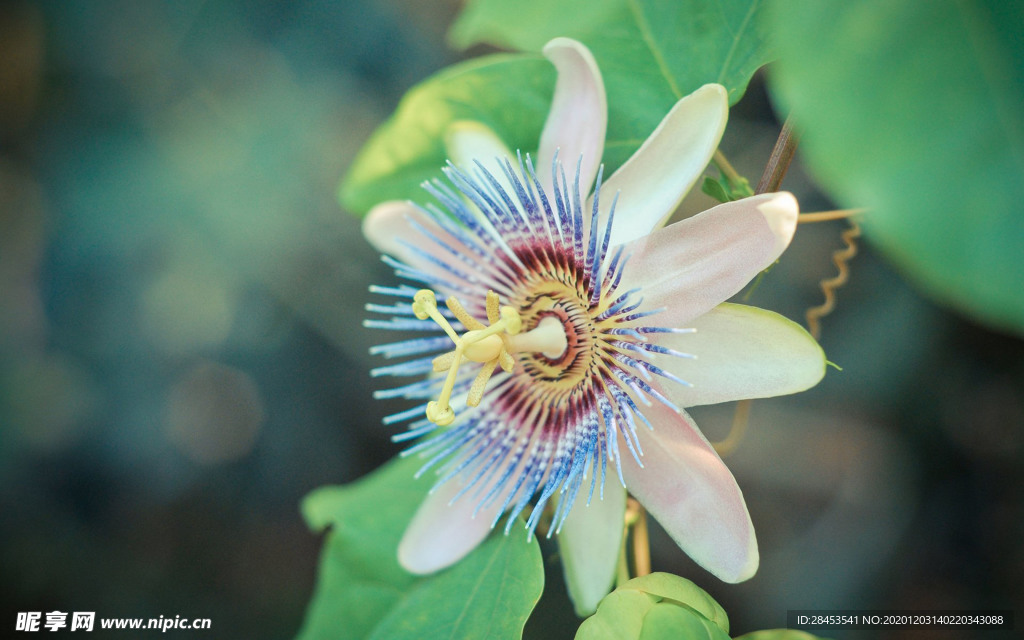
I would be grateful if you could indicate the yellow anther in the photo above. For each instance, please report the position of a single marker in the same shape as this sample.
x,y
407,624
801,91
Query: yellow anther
x,y
488,345
513,323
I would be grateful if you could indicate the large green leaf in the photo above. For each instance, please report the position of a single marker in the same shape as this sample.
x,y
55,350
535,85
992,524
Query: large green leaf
x,y
651,52
915,110
659,605
362,592
510,93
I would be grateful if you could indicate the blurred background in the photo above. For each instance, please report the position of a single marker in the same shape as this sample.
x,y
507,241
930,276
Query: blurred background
x,y
182,359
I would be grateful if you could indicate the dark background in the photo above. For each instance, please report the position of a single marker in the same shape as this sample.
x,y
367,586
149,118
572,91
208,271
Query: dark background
x,y
182,359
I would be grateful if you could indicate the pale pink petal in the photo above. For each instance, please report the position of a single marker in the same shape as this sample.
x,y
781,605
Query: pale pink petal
x,y
578,117
655,179
589,545
741,352
693,495
441,534
689,267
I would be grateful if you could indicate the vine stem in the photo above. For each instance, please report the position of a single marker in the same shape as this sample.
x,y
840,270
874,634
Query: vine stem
x,y
778,162
825,216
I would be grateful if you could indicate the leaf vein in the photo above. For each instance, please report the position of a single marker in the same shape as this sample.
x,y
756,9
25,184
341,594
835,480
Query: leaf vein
x,y
652,46
736,39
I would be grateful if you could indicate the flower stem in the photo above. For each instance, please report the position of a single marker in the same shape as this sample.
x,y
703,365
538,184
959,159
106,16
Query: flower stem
x,y
740,418
726,167
641,544
622,569
778,162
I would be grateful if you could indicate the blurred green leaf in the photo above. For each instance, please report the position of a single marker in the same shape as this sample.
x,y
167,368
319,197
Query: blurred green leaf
x,y
651,52
510,93
916,111
630,611
362,592
779,634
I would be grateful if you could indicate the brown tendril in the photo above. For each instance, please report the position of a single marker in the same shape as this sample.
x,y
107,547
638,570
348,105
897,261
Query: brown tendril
x,y
840,258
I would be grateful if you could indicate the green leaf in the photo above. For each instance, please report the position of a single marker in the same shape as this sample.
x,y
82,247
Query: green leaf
x,y
651,52
362,592
915,110
490,594
360,580
640,609
725,190
779,634
715,189
510,93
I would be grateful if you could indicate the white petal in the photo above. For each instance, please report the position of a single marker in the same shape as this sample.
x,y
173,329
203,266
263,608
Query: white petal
x,y
440,534
655,179
741,352
689,267
579,114
589,544
693,495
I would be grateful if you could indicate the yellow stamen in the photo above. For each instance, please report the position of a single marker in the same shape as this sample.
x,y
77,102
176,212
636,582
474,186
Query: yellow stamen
x,y
485,344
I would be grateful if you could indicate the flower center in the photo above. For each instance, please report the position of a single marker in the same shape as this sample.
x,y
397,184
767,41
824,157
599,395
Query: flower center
x,y
558,306
489,345
576,348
